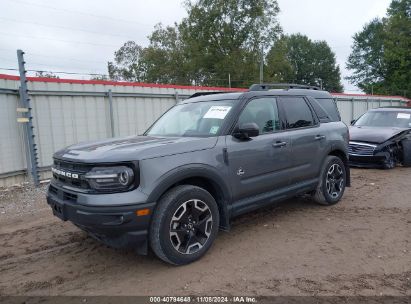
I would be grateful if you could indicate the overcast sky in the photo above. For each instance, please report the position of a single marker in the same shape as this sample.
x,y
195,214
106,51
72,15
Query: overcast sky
x,y
82,35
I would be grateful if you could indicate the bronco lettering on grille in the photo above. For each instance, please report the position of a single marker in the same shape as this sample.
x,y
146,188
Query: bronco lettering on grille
x,y
64,173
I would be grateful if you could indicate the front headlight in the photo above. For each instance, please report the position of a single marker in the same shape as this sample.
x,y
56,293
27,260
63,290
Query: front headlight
x,y
110,178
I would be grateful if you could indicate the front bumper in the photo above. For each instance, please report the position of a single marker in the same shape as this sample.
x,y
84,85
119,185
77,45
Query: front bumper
x,y
117,226
375,161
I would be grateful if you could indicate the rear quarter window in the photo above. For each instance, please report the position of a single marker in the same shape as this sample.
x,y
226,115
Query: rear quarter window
x,y
330,107
322,115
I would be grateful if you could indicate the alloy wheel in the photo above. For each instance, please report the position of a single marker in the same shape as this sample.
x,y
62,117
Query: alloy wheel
x,y
191,226
335,180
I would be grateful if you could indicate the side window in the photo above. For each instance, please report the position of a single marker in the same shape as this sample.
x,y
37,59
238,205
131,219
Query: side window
x,y
322,115
330,107
297,113
263,112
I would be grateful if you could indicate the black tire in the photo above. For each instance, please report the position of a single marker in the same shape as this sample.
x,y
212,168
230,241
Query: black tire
x,y
325,194
406,152
391,158
184,225
390,162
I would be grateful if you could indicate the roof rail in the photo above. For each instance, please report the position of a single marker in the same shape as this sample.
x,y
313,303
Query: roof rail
x,y
268,86
206,93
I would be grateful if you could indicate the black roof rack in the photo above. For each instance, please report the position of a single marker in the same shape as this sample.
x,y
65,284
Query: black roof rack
x,y
207,93
268,86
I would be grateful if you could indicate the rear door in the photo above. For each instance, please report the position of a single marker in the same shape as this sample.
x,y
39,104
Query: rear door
x,y
259,164
308,141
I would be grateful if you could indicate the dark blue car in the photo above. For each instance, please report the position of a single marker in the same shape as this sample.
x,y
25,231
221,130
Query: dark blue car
x,y
381,138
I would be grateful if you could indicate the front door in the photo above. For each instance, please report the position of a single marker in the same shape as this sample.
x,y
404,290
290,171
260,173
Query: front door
x,y
259,164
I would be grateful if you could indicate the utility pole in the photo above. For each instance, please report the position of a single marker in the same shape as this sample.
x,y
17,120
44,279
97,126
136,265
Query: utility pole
x,y
110,105
27,119
262,65
229,80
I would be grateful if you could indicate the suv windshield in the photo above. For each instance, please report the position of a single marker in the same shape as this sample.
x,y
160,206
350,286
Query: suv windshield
x,y
385,119
198,119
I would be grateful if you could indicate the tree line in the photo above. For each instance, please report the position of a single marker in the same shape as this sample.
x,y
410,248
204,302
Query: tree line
x,y
381,53
222,42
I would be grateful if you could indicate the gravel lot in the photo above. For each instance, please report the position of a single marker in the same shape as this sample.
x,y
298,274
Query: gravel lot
x,y
361,246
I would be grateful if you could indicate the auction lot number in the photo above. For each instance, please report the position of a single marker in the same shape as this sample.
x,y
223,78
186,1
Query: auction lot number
x,y
202,299
170,299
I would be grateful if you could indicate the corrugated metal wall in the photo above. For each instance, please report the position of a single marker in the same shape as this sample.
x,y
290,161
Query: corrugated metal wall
x,y
66,113
12,148
352,107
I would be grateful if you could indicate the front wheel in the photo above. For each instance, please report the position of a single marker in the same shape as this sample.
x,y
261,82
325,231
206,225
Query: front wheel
x,y
184,225
406,152
389,162
332,183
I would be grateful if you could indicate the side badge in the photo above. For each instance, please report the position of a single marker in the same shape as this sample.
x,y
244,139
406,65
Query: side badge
x,y
240,171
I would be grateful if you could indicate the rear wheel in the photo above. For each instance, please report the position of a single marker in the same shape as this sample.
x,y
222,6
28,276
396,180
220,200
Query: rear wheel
x,y
184,225
332,183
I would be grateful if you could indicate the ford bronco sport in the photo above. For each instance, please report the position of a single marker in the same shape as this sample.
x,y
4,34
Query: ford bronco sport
x,y
208,159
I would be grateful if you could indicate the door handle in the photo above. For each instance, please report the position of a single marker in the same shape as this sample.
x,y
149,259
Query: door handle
x,y
279,144
320,137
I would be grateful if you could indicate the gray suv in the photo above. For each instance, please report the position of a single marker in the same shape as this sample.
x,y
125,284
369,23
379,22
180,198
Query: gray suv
x,y
208,159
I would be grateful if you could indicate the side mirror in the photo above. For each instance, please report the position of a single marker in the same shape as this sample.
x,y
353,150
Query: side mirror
x,y
353,121
247,130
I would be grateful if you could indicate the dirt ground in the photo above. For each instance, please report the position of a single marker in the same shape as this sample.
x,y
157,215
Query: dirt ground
x,y
360,246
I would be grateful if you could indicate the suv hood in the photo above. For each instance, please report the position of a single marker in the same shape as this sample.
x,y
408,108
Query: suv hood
x,y
133,148
375,135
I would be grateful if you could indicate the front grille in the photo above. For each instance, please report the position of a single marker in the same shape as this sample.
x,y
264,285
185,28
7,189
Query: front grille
x,y
69,197
70,166
361,149
66,196
73,168
53,190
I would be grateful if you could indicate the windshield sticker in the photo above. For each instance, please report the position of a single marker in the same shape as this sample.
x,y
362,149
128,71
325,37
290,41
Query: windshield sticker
x,y
214,130
218,112
404,115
